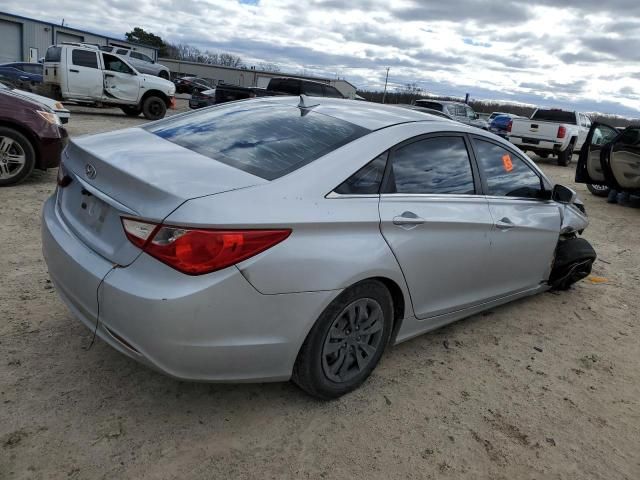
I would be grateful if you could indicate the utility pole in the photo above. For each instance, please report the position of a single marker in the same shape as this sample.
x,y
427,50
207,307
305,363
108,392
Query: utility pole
x,y
384,95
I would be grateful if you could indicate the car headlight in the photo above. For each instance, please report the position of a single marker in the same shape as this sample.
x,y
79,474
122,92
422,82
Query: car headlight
x,y
50,117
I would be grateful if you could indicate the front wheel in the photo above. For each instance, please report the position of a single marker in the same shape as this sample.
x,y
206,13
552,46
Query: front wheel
x,y
154,108
598,190
347,341
17,157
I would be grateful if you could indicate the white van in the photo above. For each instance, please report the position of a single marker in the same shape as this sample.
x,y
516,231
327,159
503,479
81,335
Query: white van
x,y
83,73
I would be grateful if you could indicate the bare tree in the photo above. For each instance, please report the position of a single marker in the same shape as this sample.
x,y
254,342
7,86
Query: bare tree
x,y
268,67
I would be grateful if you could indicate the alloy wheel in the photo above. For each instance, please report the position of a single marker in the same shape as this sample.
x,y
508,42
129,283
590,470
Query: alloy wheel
x,y
353,339
12,158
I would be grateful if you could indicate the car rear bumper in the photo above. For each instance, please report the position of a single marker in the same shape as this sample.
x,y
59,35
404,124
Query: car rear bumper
x,y
213,327
535,144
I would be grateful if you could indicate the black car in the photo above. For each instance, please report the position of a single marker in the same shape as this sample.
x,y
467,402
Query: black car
x,y
190,84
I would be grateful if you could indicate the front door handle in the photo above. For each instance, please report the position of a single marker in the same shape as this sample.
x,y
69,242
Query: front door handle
x,y
74,70
408,218
505,224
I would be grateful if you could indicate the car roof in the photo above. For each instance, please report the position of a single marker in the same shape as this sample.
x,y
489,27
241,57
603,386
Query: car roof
x,y
369,115
442,102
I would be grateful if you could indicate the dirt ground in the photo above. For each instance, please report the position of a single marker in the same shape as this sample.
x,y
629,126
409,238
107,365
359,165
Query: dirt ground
x,y
544,388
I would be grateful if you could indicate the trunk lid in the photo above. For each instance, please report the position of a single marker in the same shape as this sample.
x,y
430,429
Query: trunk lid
x,y
535,129
137,174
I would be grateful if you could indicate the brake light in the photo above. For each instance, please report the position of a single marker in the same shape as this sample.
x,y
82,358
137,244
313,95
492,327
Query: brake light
x,y
199,251
509,125
63,179
562,131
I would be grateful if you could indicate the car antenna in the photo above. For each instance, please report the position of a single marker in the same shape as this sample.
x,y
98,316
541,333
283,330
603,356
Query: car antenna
x,y
305,103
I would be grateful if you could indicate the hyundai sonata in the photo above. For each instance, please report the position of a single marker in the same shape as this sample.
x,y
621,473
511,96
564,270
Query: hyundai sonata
x,y
280,238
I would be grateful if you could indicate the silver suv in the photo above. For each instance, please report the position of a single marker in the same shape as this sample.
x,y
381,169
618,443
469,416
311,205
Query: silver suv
x,y
143,63
460,112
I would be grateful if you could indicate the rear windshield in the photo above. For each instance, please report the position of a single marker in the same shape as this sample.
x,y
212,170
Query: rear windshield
x,y
431,105
53,54
555,116
264,139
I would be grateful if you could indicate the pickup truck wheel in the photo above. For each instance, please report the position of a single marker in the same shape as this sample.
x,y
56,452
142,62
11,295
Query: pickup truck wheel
x,y
131,110
154,108
598,190
564,158
17,157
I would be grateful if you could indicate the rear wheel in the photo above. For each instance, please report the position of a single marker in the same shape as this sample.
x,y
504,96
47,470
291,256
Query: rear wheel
x,y
154,108
598,190
347,341
564,157
17,157
131,110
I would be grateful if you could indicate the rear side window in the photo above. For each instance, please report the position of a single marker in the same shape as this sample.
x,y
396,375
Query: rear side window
x,y
313,89
140,56
332,92
438,165
365,181
84,58
506,174
53,54
292,87
267,140
555,116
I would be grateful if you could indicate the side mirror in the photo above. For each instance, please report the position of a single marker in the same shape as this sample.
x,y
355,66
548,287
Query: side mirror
x,y
563,194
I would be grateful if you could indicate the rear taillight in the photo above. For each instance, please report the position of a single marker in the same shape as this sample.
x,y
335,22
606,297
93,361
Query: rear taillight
x,y
63,179
509,125
562,131
199,251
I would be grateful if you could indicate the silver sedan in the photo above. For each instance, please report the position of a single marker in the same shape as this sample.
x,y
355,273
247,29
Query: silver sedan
x,y
296,238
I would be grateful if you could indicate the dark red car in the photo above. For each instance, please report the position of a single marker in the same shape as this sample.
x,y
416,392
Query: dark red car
x,y
31,136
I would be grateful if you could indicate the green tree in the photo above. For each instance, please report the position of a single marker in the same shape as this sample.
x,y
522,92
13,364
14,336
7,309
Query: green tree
x,y
139,35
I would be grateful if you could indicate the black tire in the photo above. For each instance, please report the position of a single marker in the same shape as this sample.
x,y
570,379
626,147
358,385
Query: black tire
x,y
131,110
312,371
543,155
565,157
164,75
573,262
22,149
598,190
154,108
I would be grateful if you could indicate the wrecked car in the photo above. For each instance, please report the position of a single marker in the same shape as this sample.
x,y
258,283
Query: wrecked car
x,y
297,238
610,160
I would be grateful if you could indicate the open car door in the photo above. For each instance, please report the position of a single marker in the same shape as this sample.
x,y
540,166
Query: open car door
x,y
120,80
590,167
621,162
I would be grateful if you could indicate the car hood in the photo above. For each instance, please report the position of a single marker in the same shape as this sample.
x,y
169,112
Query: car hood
x,y
49,102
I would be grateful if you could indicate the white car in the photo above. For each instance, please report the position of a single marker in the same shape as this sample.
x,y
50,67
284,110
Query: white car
x,y
143,63
63,114
550,132
84,74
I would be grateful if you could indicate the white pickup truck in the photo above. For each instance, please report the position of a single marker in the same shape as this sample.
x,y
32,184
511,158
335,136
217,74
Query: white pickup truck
x,y
83,73
550,132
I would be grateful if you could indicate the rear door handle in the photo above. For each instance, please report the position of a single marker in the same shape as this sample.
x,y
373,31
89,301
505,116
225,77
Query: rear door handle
x,y
74,70
109,75
505,224
408,218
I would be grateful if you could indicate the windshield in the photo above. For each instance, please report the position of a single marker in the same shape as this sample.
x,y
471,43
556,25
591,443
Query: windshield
x,y
264,139
557,116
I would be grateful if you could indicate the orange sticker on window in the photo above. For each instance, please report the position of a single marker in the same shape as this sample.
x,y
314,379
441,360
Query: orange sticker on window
x,y
507,163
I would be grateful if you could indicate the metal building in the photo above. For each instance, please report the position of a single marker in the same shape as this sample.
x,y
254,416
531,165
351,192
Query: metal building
x,y
244,77
25,39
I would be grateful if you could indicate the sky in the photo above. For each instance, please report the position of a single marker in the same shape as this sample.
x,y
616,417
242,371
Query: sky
x,y
577,54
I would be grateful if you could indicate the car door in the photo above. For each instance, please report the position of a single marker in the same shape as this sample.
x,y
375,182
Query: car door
x,y
621,163
120,80
526,226
84,77
589,169
435,224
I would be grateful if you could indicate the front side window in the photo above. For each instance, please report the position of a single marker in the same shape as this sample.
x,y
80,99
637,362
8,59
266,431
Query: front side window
x,y
114,64
122,51
268,140
603,134
438,165
292,87
365,181
84,58
507,175
140,56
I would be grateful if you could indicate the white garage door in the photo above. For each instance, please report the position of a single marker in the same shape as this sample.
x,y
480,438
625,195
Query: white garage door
x,y
10,42
68,37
